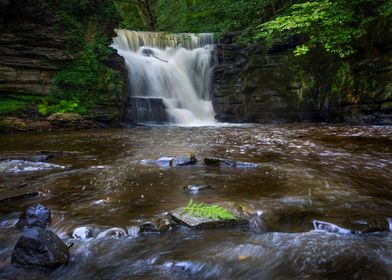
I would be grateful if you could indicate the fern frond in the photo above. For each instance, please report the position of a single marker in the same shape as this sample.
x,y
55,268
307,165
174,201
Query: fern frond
x,y
209,211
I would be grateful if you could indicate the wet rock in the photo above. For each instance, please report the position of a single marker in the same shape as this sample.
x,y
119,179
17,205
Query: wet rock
x,y
112,233
197,188
26,166
257,223
40,248
193,221
35,216
16,197
82,233
328,227
157,225
176,161
369,225
228,163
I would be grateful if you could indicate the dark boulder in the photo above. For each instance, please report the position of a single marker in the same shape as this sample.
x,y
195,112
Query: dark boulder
x,y
40,248
35,216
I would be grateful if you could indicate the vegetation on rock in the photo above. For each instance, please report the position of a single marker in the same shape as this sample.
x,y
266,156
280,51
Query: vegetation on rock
x,y
209,211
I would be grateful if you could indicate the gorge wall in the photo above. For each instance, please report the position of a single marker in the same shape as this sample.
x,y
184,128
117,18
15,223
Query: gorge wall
x,y
34,46
260,84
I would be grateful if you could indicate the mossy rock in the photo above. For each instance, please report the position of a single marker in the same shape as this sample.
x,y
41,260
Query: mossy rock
x,y
11,124
66,119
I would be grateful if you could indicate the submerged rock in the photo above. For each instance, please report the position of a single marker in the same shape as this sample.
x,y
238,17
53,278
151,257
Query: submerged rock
x,y
157,225
82,233
228,163
112,233
176,161
35,216
328,227
17,166
40,248
257,223
197,188
19,196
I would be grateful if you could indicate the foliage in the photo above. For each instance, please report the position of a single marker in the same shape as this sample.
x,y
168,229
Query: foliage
x,y
17,104
86,81
210,211
130,16
331,24
218,16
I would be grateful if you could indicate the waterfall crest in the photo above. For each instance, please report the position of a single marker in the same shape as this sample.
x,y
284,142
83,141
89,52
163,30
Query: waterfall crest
x,y
170,76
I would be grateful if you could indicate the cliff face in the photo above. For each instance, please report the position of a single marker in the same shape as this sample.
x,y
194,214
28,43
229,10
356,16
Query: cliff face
x,y
31,47
256,84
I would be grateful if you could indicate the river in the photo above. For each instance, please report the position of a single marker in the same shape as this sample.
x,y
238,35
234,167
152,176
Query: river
x,y
106,178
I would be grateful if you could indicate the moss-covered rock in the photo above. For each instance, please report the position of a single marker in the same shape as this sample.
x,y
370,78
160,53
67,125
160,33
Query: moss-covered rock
x,y
11,124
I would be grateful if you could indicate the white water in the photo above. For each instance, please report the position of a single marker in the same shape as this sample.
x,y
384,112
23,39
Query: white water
x,y
176,68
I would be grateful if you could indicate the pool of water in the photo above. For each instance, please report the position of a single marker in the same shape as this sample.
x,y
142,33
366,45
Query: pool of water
x,y
104,179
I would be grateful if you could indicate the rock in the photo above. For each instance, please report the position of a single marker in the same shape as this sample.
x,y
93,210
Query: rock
x,y
40,248
228,163
200,222
257,223
66,120
82,233
197,188
11,124
176,161
157,225
328,227
16,166
16,197
112,233
369,225
35,216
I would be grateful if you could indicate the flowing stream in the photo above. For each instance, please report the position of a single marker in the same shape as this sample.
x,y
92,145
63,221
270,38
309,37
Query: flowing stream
x,y
104,179
170,76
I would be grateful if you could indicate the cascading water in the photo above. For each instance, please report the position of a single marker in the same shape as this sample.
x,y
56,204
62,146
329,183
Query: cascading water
x,y
170,76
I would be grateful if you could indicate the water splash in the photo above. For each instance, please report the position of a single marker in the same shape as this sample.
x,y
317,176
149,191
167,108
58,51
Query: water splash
x,y
170,74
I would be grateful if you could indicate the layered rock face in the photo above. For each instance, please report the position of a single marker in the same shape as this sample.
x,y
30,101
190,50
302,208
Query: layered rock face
x,y
260,84
31,47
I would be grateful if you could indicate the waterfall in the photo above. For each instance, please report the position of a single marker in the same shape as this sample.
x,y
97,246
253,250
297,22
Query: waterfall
x,y
170,76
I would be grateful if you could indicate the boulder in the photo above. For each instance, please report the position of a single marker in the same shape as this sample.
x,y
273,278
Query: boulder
x,y
35,216
39,247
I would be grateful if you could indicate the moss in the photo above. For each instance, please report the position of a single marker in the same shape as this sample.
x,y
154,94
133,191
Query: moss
x,y
12,124
16,105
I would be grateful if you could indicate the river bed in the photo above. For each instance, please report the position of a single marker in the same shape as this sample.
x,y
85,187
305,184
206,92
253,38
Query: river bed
x,y
105,178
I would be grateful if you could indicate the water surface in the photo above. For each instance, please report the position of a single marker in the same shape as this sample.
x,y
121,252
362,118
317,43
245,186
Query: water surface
x,y
337,174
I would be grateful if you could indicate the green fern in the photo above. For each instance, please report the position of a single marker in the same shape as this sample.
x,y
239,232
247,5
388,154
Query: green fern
x,y
209,211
